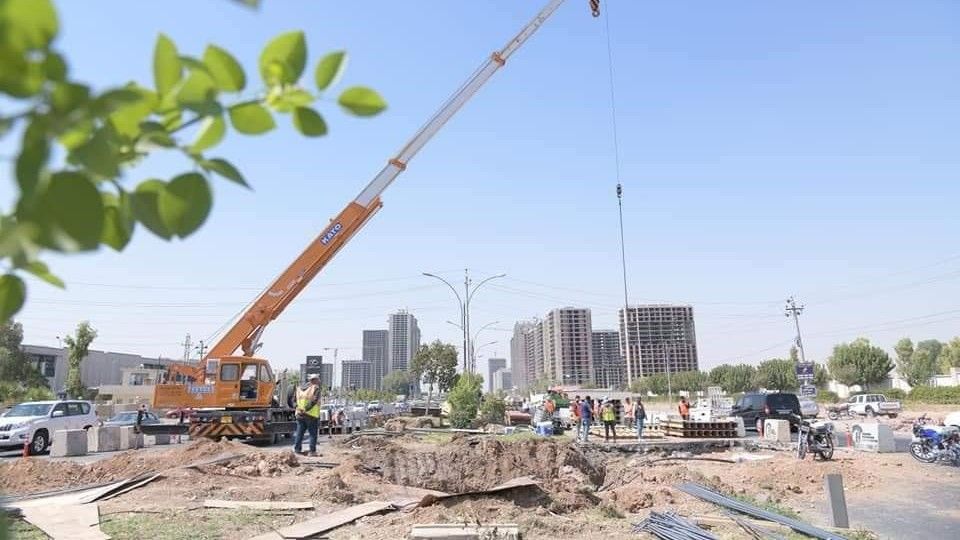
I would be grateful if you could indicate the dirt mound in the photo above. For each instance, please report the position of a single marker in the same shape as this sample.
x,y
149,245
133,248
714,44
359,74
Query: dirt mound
x,y
469,464
401,423
260,464
32,475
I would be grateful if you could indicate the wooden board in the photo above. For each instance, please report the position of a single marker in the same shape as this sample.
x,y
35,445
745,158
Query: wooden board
x,y
313,527
70,522
259,505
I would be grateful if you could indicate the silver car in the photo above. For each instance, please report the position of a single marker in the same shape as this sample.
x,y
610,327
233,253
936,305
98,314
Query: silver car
x,y
809,408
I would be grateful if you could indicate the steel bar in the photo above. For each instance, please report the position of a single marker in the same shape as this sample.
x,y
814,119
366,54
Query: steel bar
x,y
670,526
712,496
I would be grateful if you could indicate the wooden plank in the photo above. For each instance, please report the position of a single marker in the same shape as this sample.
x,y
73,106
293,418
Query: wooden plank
x,y
71,522
312,527
259,505
465,532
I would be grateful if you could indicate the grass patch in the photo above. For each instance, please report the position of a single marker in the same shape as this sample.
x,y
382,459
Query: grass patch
x,y
437,438
607,511
212,524
21,530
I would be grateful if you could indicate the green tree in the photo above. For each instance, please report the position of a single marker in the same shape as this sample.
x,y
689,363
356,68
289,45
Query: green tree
x,y
918,365
399,382
435,365
794,354
689,381
78,146
15,367
655,384
904,350
493,410
464,400
777,374
859,363
950,355
821,377
733,379
78,346
720,374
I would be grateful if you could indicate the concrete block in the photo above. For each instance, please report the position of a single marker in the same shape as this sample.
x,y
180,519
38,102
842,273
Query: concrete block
x,y
103,439
130,439
161,439
873,437
69,442
741,429
776,430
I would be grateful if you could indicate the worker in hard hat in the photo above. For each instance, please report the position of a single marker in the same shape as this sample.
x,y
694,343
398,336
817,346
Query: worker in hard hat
x,y
308,413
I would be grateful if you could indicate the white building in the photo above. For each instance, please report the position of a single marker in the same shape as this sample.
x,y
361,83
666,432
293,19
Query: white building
x,y
403,339
502,380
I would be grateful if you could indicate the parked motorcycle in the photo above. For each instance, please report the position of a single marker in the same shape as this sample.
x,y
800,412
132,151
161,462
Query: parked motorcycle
x,y
814,437
932,443
837,412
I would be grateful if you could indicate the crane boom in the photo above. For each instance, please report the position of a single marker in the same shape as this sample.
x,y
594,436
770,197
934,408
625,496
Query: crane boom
x,y
246,331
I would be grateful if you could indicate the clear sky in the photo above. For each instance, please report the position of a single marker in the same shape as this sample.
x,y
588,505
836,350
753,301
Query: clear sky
x,y
767,148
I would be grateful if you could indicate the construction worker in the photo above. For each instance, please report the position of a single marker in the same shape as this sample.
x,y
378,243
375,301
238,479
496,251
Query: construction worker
x,y
639,417
609,416
684,408
586,417
308,412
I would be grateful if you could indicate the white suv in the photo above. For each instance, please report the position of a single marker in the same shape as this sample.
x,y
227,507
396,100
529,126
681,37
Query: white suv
x,y
34,422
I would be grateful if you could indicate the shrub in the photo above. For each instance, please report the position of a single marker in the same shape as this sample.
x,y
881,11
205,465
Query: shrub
x,y
494,410
895,394
464,400
827,396
946,395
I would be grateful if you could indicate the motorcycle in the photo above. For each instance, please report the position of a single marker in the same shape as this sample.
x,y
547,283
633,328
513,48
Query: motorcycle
x,y
836,412
933,443
814,437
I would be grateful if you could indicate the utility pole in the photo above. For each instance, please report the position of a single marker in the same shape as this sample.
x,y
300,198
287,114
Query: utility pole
x,y
187,344
202,349
792,310
468,353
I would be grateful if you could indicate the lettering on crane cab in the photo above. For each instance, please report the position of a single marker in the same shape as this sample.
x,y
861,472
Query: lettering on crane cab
x,y
331,233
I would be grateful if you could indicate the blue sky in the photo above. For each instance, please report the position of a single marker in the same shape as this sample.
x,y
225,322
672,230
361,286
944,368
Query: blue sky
x,y
767,149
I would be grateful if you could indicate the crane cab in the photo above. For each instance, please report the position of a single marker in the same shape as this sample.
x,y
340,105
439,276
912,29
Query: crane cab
x,y
231,382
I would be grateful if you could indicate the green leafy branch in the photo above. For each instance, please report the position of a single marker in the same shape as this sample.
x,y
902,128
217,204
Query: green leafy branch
x,y
83,202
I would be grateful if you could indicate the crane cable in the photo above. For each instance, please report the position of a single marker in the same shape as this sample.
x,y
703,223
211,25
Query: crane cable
x,y
613,100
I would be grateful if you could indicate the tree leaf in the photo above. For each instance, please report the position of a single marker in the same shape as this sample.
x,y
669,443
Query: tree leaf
x,y
76,135
41,271
12,294
309,122
145,204
225,169
198,92
166,65
34,152
362,101
29,24
73,205
98,155
212,130
193,64
126,119
185,203
118,221
251,118
67,97
55,67
226,71
286,99
329,69
289,52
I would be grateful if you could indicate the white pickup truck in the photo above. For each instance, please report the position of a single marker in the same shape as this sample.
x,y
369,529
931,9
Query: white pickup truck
x,y
874,405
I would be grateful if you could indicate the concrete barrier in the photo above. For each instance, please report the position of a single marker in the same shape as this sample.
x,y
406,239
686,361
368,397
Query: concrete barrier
x,y
130,439
873,437
161,439
69,442
103,439
776,430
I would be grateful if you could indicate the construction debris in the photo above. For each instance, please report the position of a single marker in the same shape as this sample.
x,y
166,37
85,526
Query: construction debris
x,y
712,496
670,526
259,505
313,527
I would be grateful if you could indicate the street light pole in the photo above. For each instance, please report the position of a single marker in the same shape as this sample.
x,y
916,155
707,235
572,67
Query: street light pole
x,y
470,294
463,317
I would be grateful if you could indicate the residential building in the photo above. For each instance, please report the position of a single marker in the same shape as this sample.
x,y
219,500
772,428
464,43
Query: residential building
x,y
522,364
99,369
375,352
356,374
658,337
494,364
502,380
568,346
403,339
609,367
536,352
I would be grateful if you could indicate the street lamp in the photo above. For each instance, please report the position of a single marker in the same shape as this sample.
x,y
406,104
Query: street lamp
x,y
466,284
462,316
473,356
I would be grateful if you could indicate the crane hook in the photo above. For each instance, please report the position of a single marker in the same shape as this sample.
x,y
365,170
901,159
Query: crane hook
x,y
595,7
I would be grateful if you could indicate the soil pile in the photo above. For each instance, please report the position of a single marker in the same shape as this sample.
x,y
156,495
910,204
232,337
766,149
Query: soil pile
x,y
270,464
32,475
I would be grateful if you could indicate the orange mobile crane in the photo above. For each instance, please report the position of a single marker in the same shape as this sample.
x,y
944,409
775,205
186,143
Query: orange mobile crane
x,y
234,393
